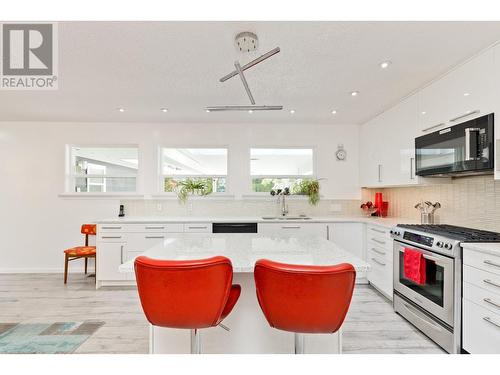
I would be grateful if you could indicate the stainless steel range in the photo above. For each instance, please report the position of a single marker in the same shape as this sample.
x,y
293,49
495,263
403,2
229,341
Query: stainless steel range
x,y
434,307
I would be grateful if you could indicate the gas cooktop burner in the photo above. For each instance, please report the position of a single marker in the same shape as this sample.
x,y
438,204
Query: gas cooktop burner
x,y
458,233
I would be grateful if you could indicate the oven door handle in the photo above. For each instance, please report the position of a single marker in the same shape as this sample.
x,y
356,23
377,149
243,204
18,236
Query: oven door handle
x,y
428,257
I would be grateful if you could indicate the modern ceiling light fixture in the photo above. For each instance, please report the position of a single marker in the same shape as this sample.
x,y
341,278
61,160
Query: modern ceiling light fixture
x,y
121,110
244,41
385,64
354,93
334,112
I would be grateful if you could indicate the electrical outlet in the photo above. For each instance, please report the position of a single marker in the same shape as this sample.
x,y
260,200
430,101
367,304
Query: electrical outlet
x,y
335,207
159,207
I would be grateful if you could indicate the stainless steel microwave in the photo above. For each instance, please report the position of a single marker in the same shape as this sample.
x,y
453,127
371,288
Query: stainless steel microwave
x,y
459,150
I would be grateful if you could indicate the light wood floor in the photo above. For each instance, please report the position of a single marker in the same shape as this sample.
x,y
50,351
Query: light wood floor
x,y
371,325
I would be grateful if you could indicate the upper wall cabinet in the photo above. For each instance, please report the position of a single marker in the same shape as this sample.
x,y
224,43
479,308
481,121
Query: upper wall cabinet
x,y
463,94
387,147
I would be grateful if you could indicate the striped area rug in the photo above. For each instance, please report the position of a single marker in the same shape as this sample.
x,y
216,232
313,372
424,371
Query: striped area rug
x,y
45,338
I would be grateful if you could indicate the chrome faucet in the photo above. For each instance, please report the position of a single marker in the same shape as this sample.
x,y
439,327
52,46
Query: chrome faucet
x,y
281,199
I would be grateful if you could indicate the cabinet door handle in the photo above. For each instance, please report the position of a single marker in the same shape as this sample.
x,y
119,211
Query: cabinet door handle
x,y
155,227
465,115
154,236
291,227
433,127
491,302
377,241
412,177
378,251
200,227
328,232
379,173
491,321
488,281
111,227
378,230
121,254
491,263
108,237
378,262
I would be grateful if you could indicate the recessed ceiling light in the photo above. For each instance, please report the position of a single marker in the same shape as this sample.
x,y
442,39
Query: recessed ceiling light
x,y
207,110
385,64
164,110
334,112
354,93
423,112
292,111
466,94
250,111
121,109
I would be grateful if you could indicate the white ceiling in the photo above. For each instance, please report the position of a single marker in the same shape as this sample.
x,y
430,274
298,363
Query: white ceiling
x,y
144,66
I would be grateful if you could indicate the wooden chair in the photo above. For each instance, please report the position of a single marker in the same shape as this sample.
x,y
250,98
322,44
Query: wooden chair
x,y
78,252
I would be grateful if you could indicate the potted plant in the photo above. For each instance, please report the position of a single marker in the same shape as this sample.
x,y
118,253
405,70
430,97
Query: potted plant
x,y
309,188
191,186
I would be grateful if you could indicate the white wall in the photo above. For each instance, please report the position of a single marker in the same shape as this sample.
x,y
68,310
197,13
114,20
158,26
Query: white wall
x,y
36,224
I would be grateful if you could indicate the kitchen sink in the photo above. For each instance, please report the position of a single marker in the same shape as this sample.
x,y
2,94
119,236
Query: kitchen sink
x,y
286,218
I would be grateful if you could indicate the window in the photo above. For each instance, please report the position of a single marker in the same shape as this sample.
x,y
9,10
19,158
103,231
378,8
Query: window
x,y
206,165
103,169
277,168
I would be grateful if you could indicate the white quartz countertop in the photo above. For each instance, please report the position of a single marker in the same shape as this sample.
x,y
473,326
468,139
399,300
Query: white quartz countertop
x,y
385,221
245,249
492,248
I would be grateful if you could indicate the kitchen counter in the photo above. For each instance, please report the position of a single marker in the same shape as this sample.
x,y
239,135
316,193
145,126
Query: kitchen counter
x,y
385,222
492,248
245,249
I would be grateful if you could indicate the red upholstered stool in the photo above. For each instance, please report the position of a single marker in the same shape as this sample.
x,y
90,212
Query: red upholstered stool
x,y
304,299
78,252
189,294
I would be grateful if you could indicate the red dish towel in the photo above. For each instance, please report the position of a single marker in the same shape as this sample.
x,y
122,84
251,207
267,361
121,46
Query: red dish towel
x,y
414,266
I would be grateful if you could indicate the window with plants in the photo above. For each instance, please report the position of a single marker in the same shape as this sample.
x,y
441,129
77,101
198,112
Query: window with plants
x,y
193,171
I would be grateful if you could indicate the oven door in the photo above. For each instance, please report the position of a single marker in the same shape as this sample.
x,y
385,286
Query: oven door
x,y
436,295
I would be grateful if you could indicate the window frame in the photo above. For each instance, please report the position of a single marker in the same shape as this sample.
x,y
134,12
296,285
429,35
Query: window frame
x,y
161,176
252,177
71,175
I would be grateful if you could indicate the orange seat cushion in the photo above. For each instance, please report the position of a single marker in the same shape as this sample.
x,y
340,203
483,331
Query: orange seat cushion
x,y
80,251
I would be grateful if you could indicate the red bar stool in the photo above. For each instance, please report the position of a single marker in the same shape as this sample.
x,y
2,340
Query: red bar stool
x,y
304,299
78,252
189,294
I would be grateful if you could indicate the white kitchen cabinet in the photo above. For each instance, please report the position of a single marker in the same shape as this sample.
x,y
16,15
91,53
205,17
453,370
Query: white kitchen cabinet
x,y
110,256
481,302
379,254
463,94
371,158
315,229
349,236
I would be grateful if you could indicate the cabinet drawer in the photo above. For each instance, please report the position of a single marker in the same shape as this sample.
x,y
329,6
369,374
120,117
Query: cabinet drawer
x,y
486,262
482,279
482,297
481,329
376,231
380,252
380,275
141,228
198,228
111,237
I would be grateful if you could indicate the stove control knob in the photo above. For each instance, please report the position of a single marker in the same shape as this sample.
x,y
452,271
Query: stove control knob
x,y
448,246
439,244
392,232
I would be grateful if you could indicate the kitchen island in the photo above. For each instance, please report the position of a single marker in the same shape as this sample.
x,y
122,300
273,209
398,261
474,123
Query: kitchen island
x,y
250,332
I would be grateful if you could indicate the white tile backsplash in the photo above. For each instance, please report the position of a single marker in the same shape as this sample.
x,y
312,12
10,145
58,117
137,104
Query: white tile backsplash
x,y
211,206
468,201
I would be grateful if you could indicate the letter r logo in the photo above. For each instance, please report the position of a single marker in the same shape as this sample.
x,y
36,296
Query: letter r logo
x,y
27,49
